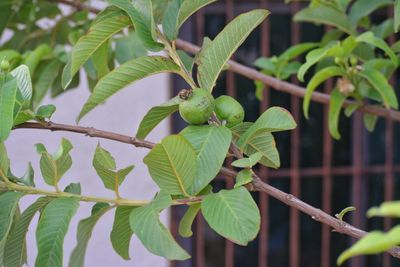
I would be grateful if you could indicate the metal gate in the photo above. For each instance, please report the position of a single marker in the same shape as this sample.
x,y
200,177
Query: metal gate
x,y
362,169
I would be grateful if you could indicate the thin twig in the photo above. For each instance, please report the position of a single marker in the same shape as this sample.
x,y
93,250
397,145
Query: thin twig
x,y
258,184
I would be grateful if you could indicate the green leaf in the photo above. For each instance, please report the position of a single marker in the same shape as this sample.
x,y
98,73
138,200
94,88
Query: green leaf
x,y
243,177
8,94
185,225
335,106
370,121
13,252
172,165
141,14
99,33
317,55
46,76
372,243
155,115
396,16
350,109
189,7
362,8
128,48
105,167
380,83
239,129
9,206
170,20
249,162
53,167
216,55
232,214
370,38
33,59
45,112
121,233
274,119
85,230
188,61
4,160
296,50
145,222
73,188
386,209
124,75
325,15
21,74
27,179
100,60
211,144
51,230
316,80
262,141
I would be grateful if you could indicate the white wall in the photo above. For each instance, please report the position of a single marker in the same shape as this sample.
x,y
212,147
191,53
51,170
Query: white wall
x,y
122,114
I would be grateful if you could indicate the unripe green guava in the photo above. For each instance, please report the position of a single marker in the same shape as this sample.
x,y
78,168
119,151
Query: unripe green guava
x,y
5,65
229,109
197,106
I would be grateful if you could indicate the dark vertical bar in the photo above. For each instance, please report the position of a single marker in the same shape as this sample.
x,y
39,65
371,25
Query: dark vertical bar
x,y
264,205
295,159
357,176
230,83
199,240
389,161
327,181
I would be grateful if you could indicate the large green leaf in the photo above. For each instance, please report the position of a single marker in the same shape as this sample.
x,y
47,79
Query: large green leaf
x,y
335,106
105,167
381,84
274,119
262,141
121,233
370,38
9,205
189,7
124,75
170,20
85,229
141,14
8,94
146,224
213,58
51,230
325,15
316,80
155,115
211,144
172,165
232,214
13,252
362,8
185,225
372,243
99,33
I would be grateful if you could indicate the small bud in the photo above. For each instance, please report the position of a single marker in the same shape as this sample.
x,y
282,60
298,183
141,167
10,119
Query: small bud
x,y
345,86
5,65
338,60
353,61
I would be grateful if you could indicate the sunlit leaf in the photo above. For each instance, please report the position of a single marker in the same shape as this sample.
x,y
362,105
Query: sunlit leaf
x,y
387,209
121,233
243,177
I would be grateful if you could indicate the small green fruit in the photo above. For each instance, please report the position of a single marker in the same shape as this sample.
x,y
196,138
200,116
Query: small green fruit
x,y
5,65
353,61
229,109
197,106
338,60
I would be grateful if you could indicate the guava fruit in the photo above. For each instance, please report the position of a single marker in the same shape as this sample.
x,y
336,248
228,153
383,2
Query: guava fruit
x,y
229,110
197,105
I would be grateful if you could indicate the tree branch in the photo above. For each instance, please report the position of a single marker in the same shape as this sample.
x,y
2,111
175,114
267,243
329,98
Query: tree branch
x,y
257,184
289,87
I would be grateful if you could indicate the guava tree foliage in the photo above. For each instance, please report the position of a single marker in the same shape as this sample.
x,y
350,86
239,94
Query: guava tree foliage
x,y
353,52
114,52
